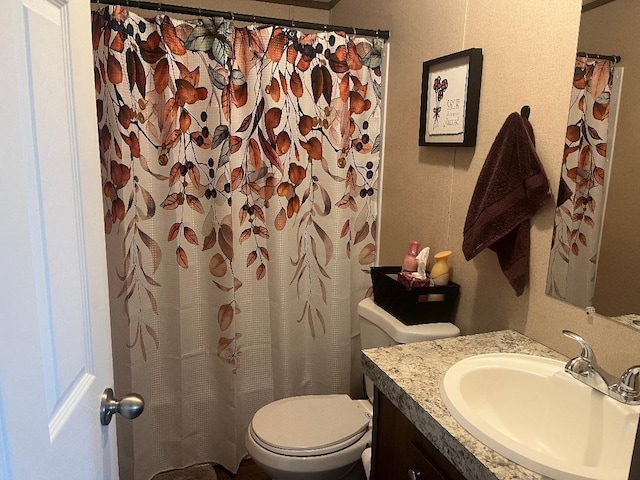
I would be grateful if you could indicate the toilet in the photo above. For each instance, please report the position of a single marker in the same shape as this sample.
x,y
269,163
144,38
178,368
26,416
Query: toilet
x,y
322,437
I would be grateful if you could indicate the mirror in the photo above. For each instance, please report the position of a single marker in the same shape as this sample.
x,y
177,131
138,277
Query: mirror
x,y
610,29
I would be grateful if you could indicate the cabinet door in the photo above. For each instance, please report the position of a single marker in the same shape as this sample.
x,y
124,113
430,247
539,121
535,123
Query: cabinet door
x,y
400,451
420,466
388,458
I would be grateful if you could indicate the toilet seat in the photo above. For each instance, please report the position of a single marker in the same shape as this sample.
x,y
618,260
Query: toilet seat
x,y
309,425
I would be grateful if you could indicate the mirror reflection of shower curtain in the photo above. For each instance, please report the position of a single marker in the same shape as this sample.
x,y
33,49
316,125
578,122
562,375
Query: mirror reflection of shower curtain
x,y
583,183
240,176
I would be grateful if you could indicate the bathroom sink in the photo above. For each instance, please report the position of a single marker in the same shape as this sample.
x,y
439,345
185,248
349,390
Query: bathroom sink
x,y
532,412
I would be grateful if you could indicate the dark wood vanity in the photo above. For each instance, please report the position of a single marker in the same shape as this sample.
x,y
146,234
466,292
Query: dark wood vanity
x,y
400,451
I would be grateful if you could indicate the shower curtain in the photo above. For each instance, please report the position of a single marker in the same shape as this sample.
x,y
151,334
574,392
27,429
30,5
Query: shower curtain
x,y
581,196
240,169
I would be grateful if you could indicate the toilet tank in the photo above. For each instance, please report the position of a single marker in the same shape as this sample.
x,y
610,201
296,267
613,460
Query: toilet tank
x,y
378,328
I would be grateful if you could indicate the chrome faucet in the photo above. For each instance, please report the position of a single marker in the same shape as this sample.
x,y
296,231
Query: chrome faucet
x,y
584,368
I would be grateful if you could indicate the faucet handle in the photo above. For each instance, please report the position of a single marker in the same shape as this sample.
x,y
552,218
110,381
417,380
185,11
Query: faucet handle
x,y
587,351
630,382
584,366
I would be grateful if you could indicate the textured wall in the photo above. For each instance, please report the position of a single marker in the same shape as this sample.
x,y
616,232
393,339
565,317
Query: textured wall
x,y
249,7
252,7
529,51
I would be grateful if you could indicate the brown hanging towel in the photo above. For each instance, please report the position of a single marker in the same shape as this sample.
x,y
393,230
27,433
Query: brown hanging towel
x,y
511,187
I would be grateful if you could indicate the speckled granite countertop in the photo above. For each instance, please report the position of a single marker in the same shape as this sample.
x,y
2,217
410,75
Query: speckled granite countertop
x,y
628,319
409,375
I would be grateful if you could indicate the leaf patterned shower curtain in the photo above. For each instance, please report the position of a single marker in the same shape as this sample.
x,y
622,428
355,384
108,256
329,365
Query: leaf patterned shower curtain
x,y
581,196
240,171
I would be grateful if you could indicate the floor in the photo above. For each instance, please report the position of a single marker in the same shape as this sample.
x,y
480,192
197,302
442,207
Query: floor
x,y
247,471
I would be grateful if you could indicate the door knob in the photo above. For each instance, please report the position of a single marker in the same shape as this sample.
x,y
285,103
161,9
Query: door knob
x,y
130,406
414,474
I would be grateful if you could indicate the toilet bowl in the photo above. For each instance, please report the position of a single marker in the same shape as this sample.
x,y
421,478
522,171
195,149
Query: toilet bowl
x,y
312,437
322,437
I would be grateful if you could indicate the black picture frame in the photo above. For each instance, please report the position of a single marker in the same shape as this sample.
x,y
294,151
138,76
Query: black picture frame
x,y
471,58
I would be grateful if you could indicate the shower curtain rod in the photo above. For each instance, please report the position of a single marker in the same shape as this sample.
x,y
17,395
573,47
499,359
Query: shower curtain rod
x,y
613,58
165,7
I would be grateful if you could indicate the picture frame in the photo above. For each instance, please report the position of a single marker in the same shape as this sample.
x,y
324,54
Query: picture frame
x,y
451,99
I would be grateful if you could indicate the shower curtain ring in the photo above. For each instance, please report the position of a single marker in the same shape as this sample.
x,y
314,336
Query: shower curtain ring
x,y
354,31
233,16
159,6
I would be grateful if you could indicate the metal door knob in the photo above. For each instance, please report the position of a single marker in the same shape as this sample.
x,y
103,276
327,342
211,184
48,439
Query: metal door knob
x,y
414,474
130,406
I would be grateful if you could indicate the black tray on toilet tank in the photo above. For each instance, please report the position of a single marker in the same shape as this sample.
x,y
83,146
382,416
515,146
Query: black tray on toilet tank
x,y
413,306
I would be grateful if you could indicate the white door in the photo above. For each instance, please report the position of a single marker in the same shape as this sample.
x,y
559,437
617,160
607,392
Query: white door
x,y
55,343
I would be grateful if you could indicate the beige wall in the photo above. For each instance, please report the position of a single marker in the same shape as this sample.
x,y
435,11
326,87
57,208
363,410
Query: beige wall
x,y
613,29
252,7
529,51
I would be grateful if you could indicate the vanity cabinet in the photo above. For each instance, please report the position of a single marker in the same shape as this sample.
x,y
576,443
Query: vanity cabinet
x,y
400,451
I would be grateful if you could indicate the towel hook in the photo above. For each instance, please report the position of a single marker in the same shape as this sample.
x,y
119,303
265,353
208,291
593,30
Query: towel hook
x,y
525,111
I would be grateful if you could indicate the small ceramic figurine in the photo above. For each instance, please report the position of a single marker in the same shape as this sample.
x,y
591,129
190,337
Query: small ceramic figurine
x,y
410,263
440,270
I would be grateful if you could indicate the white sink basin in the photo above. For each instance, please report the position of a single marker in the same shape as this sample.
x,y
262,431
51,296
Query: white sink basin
x,y
532,412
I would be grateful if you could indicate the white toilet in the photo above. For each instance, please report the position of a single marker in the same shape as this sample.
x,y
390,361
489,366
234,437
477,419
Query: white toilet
x,y
322,437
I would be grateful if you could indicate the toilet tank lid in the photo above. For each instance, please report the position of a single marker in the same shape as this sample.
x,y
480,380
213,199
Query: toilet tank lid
x,y
400,332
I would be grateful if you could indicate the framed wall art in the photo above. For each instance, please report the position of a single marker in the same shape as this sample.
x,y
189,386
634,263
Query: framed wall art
x,y
451,99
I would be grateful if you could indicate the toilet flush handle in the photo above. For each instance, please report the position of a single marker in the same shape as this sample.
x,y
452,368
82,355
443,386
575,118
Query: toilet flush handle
x,y
414,474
